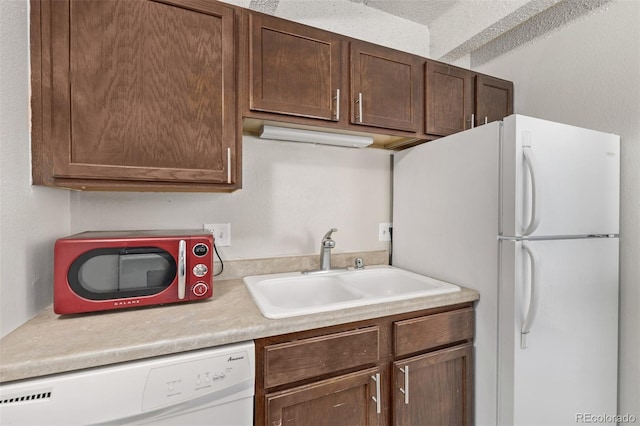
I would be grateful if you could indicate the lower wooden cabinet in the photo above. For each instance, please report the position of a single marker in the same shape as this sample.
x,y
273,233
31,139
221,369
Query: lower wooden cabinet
x,y
350,399
434,388
409,369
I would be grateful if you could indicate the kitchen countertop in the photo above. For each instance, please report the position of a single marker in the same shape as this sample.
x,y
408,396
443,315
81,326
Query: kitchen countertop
x,y
49,343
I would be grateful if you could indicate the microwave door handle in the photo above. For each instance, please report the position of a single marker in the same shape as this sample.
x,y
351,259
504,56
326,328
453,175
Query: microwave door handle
x,y
182,269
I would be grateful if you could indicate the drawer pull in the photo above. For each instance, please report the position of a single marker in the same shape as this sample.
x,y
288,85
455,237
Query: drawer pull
x,y
405,391
376,398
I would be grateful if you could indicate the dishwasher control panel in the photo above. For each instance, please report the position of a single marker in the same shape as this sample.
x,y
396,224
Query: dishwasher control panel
x,y
170,384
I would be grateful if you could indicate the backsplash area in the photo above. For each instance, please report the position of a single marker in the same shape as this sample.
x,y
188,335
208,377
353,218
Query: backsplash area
x,y
237,269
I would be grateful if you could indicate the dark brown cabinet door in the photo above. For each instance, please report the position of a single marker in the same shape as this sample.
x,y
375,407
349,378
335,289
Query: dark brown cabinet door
x,y
494,99
345,400
142,91
448,99
434,389
294,69
385,87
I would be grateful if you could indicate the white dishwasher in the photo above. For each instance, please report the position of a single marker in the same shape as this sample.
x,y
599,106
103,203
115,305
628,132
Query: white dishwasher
x,y
204,387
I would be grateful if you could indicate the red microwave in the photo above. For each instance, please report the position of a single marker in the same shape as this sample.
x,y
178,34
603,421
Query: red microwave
x,y
97,271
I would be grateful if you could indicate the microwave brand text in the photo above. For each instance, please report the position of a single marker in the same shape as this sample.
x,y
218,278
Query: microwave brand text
x,y
127,302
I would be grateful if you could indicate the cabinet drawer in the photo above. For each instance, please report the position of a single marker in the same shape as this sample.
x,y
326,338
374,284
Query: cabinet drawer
x,y
344,400
307,358
419,334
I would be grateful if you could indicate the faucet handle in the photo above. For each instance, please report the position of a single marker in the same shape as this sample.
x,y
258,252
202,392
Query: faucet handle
x,y
327,236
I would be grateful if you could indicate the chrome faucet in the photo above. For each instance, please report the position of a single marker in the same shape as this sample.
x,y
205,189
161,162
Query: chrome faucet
x,y
325,250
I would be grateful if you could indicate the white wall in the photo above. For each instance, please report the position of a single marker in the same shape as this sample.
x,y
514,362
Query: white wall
x,y
31,218
588,74
292,194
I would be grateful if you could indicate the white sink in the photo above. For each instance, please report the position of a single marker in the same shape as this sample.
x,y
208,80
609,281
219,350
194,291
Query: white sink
x,y
295,293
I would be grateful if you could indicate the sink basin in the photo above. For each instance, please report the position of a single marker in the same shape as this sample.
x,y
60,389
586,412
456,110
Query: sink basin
x,y
295,293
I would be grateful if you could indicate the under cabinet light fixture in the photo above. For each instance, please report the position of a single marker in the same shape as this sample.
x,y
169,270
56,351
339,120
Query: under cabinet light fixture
x,y
310,136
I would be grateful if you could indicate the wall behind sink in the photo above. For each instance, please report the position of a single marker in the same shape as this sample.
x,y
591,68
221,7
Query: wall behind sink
x,y
292,194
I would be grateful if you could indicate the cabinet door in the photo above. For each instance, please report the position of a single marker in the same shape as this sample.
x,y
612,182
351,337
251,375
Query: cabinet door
x,y
142,90
434,389
350,400
295,69
385,87
494,99
449,99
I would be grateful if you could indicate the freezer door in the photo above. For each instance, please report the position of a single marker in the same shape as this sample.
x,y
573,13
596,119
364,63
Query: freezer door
x,y
558,180
566,366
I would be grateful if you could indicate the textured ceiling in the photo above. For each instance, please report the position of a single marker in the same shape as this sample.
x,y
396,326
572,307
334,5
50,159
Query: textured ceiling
x,y
421,11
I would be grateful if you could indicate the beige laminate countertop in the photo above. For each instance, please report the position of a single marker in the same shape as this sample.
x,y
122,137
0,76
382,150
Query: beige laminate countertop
x,y
49,344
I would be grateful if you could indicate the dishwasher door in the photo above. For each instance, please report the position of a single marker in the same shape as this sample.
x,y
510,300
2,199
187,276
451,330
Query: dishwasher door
x,y
204,387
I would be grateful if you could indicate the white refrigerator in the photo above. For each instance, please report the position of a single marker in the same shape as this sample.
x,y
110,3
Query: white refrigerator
x,y
525,211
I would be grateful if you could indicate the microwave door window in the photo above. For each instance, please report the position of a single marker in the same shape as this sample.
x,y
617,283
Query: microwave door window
x,y
103,274
99,274
137,271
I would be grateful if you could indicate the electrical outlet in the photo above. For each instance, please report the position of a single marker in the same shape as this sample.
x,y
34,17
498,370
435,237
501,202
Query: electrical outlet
x,y
221,232
384,231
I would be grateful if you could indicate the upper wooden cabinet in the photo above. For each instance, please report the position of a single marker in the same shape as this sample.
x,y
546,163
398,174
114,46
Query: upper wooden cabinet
x,y
494,99
448,99
457,99
135,95
312,78
385,87
294,69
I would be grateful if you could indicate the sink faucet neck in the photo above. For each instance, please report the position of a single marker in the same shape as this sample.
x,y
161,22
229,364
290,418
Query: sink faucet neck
x,y
325,250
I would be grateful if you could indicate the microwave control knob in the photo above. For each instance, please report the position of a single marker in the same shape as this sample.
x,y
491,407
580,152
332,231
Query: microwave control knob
x,y
200,270
200,289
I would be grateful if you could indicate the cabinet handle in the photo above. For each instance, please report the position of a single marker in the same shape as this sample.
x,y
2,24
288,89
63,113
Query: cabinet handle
x,y
228,165
359,102
485,120
405,391
473,121
337,98
376,398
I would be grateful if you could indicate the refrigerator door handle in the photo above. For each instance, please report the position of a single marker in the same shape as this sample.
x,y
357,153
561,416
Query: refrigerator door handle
x,y
534,296
530,160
